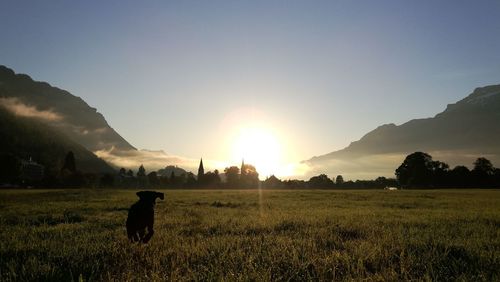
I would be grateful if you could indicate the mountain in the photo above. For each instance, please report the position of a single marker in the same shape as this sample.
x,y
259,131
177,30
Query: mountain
x,y
463,131
27,138
67,113
70,118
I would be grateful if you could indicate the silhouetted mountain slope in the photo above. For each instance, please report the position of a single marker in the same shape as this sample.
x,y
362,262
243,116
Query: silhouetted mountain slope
x,y
470,126
62,110
28,138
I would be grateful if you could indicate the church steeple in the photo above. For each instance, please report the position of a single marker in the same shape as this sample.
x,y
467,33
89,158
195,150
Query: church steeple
x,y
242,167
201,170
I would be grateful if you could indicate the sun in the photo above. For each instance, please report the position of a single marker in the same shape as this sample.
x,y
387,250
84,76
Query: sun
x,y
260,147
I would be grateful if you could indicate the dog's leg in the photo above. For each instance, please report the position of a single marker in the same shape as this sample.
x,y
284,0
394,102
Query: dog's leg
x,y
135,238
141,232
149,235
132,236
149,220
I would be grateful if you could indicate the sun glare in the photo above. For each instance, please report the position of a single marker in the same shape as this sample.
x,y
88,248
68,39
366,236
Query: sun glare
x,y
259,147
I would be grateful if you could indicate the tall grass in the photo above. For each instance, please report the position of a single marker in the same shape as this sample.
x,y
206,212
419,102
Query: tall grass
x,y
247,235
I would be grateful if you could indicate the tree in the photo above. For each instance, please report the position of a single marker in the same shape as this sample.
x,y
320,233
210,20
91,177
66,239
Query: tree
x,y
181,179
320,181
496,177
191,180
484,166
249,177
122,172
295,184
382,182
232,175
107,180
216,178
70,176
153,179
212,179
483,172
130,173
172,177
416,170
440,173
460,177
142,179
69,162
141,172
339,180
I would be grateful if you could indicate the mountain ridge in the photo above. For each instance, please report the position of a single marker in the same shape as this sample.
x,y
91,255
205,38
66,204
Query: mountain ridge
x,y
71,116
469,126
79,121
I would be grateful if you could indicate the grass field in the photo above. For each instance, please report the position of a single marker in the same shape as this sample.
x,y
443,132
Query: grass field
x,y
252,235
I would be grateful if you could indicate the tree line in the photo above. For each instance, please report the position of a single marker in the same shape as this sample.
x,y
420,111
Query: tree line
x,y
418,170
244,177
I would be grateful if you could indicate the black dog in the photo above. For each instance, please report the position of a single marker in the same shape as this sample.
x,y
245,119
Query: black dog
x,y
141,215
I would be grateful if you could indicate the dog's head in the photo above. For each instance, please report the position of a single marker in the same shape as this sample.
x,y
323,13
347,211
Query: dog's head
x,y
149,196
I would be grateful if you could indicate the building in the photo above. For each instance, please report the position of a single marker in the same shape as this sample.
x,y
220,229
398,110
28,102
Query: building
x,y
201,170
31,171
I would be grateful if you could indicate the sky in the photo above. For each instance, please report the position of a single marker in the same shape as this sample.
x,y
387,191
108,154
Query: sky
x,y
187,77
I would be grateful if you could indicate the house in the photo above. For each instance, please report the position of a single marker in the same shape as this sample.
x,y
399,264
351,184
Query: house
x,y
31,171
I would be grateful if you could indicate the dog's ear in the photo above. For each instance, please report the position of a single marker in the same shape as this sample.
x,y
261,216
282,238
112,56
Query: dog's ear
x,y
141,194
144,195
149,195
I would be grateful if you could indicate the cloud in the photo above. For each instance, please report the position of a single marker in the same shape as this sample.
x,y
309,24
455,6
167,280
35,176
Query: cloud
x,y
20,109
132,159
152,160
82,130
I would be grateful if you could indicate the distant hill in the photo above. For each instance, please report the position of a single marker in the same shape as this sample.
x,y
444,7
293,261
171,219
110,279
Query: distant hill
x,y
67,113
28,138
465,130
167,171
